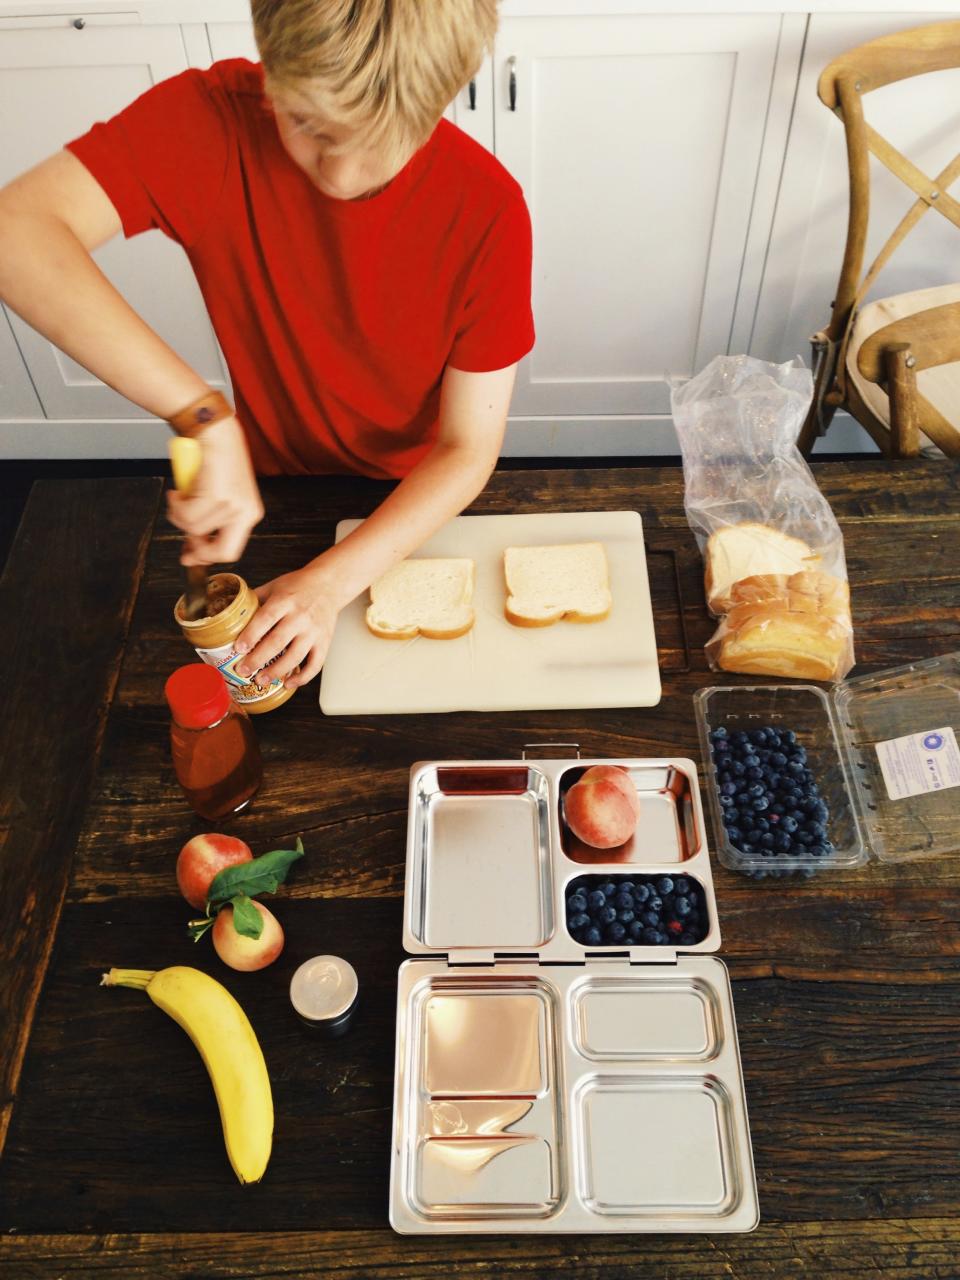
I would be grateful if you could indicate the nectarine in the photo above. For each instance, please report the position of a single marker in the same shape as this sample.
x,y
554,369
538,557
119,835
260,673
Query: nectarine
x,y
602,808
201,859
240,952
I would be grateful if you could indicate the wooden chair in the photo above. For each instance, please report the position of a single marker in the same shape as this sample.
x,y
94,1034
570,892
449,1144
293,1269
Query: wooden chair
x,y
868,359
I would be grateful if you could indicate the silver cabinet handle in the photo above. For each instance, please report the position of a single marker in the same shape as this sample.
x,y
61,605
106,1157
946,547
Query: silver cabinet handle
x,y
472,95
512,64
79,23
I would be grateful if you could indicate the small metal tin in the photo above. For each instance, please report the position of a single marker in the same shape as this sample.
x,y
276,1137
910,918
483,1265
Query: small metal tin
x,y
535,1077
324,993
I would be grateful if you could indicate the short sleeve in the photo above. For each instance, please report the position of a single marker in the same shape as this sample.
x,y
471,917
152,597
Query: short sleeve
x,y
162,160
496,321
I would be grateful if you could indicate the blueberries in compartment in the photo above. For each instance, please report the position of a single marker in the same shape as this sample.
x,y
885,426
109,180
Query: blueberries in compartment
x,y
662,911
776,811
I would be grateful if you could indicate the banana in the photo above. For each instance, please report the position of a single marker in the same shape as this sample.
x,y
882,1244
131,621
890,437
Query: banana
x,y
231,1053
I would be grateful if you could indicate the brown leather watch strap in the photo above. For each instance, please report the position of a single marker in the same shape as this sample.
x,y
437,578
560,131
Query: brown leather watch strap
x,y
196,417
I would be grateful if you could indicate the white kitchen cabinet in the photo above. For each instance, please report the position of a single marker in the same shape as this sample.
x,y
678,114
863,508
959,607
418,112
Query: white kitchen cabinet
x,y
471,111
637,140
56,79
18,399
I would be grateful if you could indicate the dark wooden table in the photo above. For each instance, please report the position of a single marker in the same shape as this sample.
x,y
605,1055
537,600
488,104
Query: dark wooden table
x,y
847,987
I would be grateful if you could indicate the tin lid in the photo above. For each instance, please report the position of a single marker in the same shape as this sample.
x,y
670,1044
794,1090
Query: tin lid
x,y
900,730
492,865
323,989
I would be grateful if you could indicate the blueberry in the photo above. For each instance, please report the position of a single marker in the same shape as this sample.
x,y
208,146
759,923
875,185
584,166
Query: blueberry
x,y
804,838
721,750
635,930
747,846
654,903
681,907
739,739
754,774
730,816
728,789
641,893
737,768
592,937
795,768
608,889
778,758
614,932
665,884
681,885
782,842
734,834
650,935
719,732
816,851
766,840
788,737
689,939
789,824
626,915
650,918
727,802
623,900
578,921
576,903
596,900
752,760
606,915
626,886
760,803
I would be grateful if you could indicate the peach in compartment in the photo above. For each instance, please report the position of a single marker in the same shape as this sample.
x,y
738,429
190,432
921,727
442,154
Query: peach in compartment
x,y
628,814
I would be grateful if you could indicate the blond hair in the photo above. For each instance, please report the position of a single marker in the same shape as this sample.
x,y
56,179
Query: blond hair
x,y
387,68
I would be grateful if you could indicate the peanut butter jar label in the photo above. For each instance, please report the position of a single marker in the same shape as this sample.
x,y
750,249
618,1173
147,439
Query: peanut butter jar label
x,y
243,690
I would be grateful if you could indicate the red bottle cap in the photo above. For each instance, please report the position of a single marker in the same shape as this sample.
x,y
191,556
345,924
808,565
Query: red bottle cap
x,y
198,696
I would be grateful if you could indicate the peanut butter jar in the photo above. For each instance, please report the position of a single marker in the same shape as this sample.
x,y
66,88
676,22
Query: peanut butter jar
x,y
230,606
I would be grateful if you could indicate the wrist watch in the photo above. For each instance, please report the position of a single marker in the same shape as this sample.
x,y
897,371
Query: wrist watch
x,y
196,417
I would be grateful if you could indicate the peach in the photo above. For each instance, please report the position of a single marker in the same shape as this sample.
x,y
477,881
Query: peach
x,y
204,857
241,952
602,808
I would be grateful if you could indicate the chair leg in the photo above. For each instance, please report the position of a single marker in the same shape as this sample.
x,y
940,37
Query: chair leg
x,y
901,379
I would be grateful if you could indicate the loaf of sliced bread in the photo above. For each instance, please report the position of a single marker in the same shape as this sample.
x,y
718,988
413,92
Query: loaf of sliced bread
x,y
430,598
749,550
771,640
545,584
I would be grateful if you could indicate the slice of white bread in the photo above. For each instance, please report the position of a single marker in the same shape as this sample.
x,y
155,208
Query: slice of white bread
x,y
431,598
545,584
745,551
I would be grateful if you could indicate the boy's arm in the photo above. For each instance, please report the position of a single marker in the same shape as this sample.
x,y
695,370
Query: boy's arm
x,y
51,219
300,609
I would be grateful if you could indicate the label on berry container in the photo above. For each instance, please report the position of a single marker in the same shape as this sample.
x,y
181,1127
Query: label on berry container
x,y
920,763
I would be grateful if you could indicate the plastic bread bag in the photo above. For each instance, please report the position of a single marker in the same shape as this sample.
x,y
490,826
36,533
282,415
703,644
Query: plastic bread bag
x,y
775,572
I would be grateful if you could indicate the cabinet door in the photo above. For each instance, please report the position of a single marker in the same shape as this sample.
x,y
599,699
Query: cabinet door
x,y
921,117
56,81
472,112
18,400
637,141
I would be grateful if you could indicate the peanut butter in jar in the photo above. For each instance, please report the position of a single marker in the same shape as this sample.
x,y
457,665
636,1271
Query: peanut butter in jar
x,y
230,606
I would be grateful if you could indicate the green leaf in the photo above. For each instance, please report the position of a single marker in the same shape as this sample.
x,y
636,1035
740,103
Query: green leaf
x,y
247,920
262,875
197,928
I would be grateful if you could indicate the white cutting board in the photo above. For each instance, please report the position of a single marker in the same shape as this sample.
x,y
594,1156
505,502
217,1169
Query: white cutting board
x,y
497,666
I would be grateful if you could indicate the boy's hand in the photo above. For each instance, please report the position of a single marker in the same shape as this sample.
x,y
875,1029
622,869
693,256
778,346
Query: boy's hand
x,y
296,617
225,504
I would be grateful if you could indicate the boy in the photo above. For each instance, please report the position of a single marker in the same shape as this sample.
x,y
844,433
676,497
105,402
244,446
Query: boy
x,y
366,267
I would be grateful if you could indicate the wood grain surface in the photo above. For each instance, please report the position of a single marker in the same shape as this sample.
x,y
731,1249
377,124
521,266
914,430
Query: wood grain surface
x,y
846,987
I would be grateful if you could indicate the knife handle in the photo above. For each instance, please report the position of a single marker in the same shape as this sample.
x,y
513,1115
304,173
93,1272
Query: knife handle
x,y
185,459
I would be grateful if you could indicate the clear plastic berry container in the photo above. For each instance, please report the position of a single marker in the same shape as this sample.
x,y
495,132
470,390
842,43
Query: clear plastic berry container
x,y
881,750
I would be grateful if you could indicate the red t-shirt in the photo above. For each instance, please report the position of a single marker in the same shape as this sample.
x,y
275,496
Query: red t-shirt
x,y
337,317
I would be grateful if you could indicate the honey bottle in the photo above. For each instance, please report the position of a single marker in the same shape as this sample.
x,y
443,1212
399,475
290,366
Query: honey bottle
x,y
215,752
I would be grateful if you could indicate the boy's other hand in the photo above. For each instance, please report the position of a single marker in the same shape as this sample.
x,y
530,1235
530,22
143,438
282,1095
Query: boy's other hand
x,y
296,618
224,505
